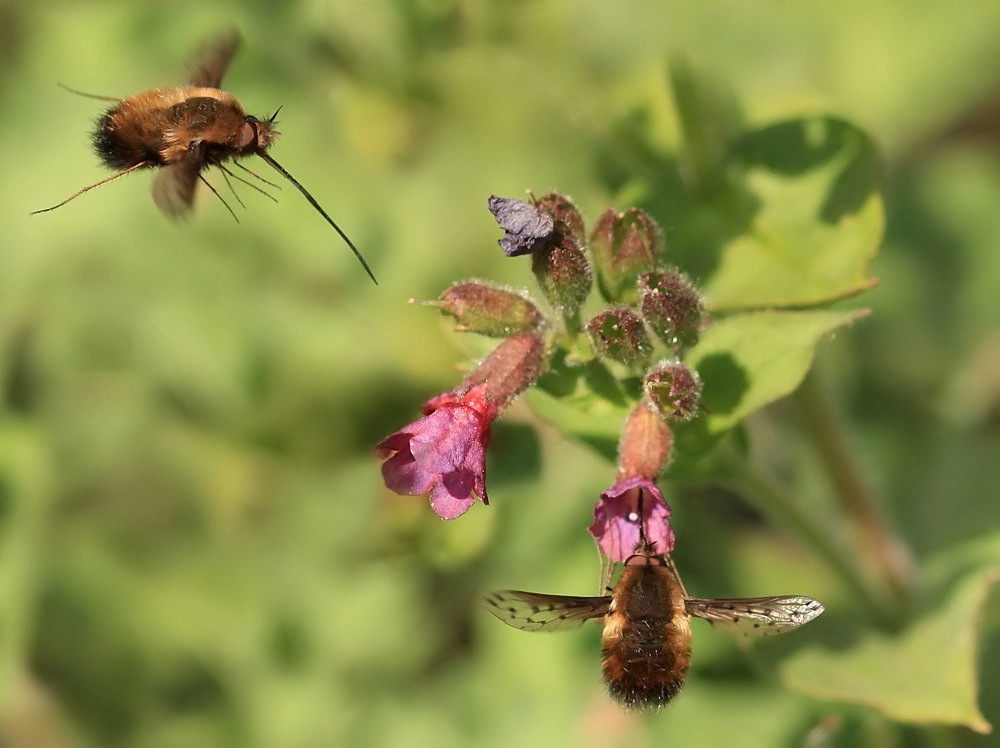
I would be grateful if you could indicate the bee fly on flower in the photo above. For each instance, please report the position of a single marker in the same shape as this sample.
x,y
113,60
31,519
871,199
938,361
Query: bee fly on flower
x,y
185,130
646,642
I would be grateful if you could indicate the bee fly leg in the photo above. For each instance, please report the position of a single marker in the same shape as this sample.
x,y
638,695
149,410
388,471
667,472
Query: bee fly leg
x,y
89,187
227,173
87,95
221,199
258,176
677,576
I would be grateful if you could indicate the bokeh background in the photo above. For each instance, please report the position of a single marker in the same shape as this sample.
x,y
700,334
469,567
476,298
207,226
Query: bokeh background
x,y
195,545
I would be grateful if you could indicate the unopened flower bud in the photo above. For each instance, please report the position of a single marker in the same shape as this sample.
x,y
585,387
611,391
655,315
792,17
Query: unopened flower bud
x,y
489,310
645,445
671,307
675,389
623,245
563,274
619,334
565,214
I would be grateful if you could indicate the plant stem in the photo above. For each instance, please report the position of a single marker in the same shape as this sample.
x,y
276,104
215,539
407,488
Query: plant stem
x,y
884,552
779,505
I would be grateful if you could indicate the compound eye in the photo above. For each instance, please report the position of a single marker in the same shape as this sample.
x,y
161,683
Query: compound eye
x,y
246,138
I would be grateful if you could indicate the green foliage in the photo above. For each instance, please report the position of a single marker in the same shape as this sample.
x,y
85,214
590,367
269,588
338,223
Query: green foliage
x,y
195,547
892,673
809,218
749,361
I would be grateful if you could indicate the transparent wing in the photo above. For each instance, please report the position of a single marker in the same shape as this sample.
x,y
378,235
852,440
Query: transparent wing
x,y
209,62
173,188
755,616
531,611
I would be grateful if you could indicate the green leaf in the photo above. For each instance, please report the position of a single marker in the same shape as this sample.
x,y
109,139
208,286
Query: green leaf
x,y
748,361
588,405
811,217
925,675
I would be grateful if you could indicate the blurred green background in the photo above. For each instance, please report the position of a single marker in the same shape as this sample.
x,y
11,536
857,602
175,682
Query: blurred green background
x,y
195,545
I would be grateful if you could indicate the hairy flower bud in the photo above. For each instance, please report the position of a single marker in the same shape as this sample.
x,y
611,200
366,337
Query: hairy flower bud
x,y
671,307
646,443
565,214
563,273
623,245
619,334
489,310
675,389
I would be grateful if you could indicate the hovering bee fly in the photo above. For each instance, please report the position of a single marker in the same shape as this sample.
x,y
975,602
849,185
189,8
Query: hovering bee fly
x,y
647,633
184,130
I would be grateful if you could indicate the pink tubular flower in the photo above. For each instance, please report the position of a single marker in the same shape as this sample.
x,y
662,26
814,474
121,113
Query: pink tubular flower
x,y
443,453
616,520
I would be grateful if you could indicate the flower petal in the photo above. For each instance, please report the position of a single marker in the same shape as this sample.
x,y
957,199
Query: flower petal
x,y
453,496
616,520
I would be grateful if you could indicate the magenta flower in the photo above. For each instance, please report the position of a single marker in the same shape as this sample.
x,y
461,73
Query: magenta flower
x,y
442,454
616,519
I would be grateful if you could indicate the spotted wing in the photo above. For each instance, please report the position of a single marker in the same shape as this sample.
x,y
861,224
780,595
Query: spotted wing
x,y
209,62
755,616
531,611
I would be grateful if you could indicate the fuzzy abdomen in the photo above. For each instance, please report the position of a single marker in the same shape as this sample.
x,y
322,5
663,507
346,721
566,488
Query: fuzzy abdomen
x,y
647,637
645,665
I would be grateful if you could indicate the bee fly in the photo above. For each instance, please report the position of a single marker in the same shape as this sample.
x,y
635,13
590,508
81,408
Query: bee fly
x,y
646,642
186,130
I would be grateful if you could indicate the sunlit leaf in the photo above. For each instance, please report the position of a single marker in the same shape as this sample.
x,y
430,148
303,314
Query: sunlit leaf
x,y
925,675
810,213
749,361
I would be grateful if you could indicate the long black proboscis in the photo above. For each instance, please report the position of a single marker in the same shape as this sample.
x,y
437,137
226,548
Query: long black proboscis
x,y
312,201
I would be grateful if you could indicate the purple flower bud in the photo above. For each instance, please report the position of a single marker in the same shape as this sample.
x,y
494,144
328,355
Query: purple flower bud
x,y
619,334
623,246
489,310
675,388
671,307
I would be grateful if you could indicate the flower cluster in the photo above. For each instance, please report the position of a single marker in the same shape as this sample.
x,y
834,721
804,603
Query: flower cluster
x,y
647,316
